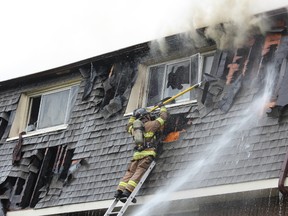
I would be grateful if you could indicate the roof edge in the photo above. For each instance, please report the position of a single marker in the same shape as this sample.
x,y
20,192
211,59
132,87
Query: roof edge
x,y
179,195
64,69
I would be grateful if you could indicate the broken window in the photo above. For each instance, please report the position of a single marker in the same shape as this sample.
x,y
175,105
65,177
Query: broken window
x,y
50,109
170,78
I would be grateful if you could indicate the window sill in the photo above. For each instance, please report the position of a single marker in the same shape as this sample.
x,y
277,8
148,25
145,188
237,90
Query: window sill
x,y
41,131
169,106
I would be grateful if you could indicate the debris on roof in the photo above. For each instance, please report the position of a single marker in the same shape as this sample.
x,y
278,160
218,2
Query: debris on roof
x,y
229,93
89,76
74,167
121,79
113,80
279,96
17,152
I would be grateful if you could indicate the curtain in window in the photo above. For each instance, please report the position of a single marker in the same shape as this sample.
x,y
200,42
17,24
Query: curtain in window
x,y
53,109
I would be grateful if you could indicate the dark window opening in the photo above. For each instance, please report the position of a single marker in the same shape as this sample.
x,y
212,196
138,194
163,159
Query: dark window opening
x,y
16,192
26,192
34,106
44,176
61,152
4,118
66,164
19,186
6,187
175,125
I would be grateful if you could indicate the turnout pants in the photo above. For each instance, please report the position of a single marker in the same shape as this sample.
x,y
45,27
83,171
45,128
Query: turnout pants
x,y
135,171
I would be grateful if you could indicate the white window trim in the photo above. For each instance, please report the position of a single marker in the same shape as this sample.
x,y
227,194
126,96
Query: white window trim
x,y
41,131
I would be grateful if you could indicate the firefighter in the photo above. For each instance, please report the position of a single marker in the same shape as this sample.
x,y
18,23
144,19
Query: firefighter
x,y
145,149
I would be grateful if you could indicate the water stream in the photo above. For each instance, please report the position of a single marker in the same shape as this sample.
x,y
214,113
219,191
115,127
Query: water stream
x,y
249,118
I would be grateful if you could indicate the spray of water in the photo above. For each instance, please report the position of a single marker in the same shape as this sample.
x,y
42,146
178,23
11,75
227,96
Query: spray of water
x,y
249,118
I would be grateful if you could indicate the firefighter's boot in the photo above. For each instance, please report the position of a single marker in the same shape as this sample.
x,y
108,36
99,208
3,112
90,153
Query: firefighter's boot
x,y
118,194
125,196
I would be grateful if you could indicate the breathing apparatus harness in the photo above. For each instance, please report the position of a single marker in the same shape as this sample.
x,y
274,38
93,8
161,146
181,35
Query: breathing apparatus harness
x,y
138,131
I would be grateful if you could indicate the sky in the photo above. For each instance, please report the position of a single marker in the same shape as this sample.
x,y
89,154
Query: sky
x,y
37,35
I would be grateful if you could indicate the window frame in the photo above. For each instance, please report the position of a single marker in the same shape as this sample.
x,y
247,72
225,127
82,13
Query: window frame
x,y
41,106
165,76
171,62
139,92
202,60
23,110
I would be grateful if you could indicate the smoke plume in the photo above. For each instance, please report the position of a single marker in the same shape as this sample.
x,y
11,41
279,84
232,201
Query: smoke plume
x,y
230,23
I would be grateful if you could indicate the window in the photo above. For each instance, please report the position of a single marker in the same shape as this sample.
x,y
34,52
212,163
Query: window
x,y
170,78
45,109
50,109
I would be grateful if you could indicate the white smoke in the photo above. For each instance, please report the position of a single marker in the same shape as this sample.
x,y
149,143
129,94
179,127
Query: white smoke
x,y
230,23
238,24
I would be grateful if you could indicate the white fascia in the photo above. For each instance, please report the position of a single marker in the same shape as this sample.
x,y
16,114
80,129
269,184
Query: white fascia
x,y
180,195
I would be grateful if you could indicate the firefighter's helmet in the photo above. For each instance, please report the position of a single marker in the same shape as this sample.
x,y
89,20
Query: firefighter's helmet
x,y
140,113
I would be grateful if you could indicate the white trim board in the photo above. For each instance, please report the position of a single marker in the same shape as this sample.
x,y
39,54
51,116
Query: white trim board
x,y
180,195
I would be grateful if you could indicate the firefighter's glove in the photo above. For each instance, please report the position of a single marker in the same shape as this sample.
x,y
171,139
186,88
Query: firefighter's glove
x,y
132,119
163,109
